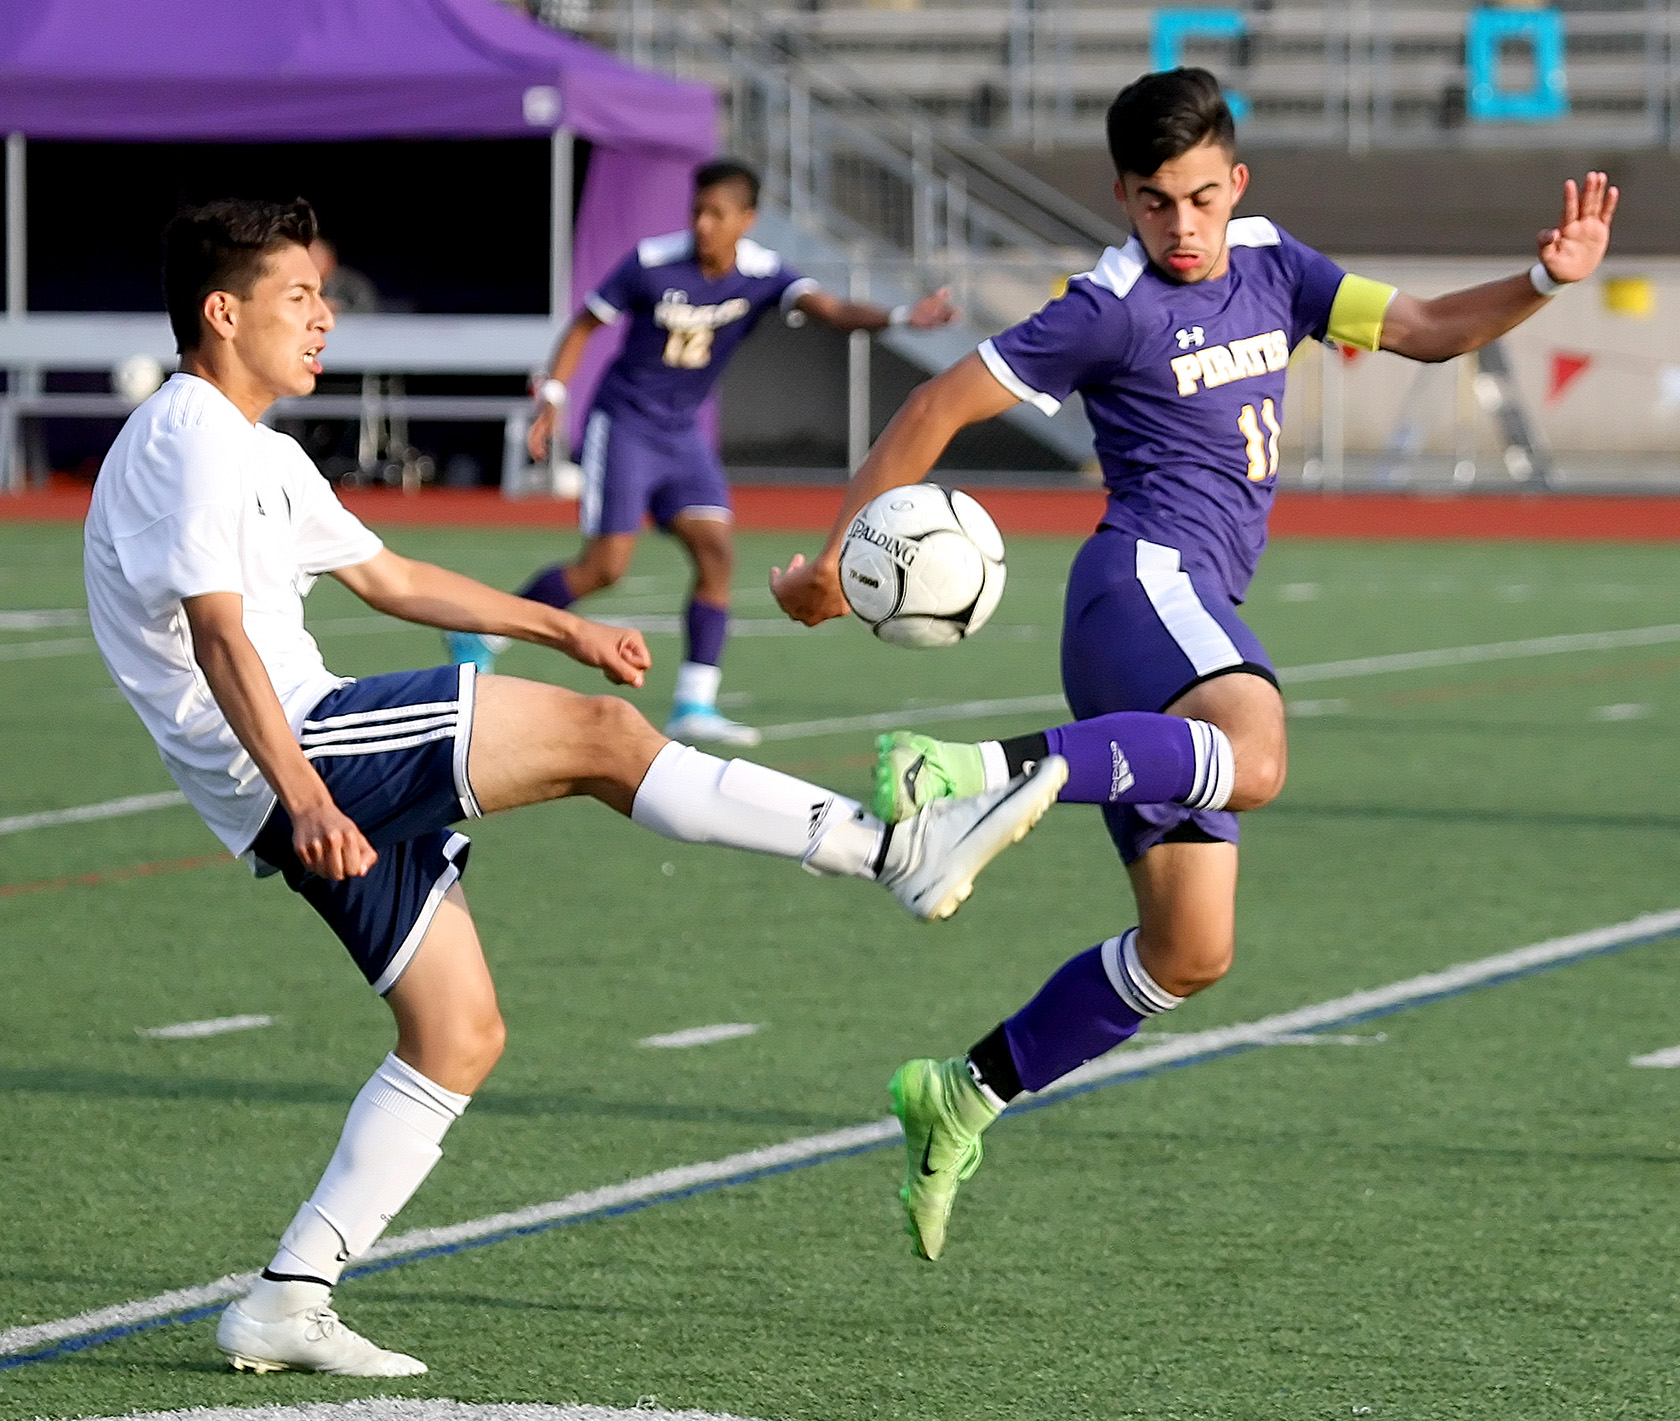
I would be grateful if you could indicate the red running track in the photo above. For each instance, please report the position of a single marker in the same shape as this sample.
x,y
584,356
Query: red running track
x,y
804,509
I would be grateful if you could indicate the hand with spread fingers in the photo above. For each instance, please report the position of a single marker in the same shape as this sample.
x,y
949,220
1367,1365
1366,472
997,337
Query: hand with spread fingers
x,y
1572,250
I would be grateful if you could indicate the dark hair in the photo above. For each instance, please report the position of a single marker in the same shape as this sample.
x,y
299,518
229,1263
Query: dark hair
x,y
221,247
1163,116
728,170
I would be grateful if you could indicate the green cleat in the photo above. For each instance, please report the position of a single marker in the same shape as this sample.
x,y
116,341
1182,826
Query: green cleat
x,y
943,1113
911,771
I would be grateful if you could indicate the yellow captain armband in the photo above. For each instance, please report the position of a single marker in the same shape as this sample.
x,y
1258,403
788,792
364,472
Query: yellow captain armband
x,y
1356,315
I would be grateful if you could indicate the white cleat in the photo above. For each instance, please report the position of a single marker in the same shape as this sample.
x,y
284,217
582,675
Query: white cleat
x,y
935,856
702,725
313,1340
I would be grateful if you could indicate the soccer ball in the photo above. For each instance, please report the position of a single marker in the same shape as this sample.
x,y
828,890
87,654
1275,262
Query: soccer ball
x,y
923,565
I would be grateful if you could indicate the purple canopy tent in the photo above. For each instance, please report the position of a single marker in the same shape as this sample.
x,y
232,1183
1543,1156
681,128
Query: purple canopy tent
x,y
325,70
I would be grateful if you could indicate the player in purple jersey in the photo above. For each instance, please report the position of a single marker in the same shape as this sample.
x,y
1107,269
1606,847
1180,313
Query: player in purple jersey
x,y
1178,343
691,297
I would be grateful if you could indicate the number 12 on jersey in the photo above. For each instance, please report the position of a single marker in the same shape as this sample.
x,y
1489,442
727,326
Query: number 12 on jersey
x,y
1262,443
691,349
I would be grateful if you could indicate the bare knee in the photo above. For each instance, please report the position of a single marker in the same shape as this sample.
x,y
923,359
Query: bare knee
x,y
458,1053
1185,966
586,577
480,1044
1259,779
602,564
611,723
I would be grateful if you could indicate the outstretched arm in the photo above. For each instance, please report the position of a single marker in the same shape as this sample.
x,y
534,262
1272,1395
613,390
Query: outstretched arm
x,y
435,597
567,354
908,448
930,311
1462,321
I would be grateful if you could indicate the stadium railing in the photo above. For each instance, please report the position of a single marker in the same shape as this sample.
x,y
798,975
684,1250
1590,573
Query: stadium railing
x,y
1355,74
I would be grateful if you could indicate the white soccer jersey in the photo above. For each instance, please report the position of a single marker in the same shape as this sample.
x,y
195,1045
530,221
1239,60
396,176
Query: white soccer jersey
x,y
193,498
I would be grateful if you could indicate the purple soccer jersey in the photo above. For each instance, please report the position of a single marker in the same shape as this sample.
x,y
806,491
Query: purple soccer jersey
x,y
1183,385
683,326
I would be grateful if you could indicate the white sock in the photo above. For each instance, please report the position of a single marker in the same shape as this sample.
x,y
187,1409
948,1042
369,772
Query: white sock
x,y
697,684
996,764
1131,980
700,799
1216,766
390,1142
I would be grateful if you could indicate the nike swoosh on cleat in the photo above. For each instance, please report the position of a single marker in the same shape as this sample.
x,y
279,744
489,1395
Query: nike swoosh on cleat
x,y
927,1150
911,775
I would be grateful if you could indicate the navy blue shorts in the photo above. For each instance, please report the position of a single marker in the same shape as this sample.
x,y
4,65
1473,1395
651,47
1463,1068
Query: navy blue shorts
x,y
633,468
393,752
1139,630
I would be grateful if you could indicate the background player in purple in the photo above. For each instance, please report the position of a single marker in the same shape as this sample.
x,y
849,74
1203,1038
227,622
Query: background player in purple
x,y
1178,342
692,297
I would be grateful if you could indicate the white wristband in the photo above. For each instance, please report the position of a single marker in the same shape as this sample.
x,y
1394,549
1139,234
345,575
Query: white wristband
x,y
551,392
1543,281
898,316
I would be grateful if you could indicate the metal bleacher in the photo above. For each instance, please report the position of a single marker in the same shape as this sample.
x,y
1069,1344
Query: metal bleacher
x,y
893,135
1349,73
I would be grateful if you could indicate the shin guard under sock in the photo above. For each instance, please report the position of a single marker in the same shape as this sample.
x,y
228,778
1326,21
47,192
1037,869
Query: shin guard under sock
x,y
1091,1004
390,1142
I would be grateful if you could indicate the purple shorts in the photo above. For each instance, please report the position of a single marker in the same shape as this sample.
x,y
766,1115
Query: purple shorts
x,y
1139,630
633,468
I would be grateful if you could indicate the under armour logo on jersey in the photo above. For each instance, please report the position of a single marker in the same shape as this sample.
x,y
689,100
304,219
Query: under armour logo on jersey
x,y
1122,778
1188,338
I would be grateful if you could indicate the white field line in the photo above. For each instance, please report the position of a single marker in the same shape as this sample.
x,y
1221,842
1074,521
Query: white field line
x,y
1659,1060
1289,675
216,1026
1375,1002
1287,1038
82,813
41,619
652,625
701,1035
892,720
35,650
1204,1045
388,1408
1490,651
738,626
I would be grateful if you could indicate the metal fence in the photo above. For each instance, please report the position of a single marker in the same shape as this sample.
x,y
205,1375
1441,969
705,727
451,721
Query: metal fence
x,y
898,199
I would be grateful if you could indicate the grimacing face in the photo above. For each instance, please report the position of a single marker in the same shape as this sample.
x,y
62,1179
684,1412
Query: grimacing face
x,y
279,330
719,219
1180,210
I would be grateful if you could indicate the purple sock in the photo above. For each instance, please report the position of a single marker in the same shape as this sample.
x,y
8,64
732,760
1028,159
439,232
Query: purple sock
x,y
1076,1016
708,628
549,586
1137,757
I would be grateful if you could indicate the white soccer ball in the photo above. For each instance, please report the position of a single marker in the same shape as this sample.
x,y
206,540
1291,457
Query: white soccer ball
x,y
137,378
923,565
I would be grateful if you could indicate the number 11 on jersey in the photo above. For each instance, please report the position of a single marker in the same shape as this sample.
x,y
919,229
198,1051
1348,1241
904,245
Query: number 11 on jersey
x,y
1262,443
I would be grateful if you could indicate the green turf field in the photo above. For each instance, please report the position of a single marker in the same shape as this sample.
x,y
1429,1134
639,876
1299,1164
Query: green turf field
x,y
1476,1217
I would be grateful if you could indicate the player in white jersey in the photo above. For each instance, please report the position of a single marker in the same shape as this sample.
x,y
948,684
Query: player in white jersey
x,y
207,529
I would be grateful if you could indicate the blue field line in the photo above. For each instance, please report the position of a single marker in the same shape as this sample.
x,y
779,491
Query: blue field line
x,y
1351,1019
613,1211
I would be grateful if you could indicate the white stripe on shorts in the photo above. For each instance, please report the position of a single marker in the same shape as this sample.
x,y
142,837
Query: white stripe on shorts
x,y
1202,640
371,717
468,694
594,463
378,747
422,924
360,733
